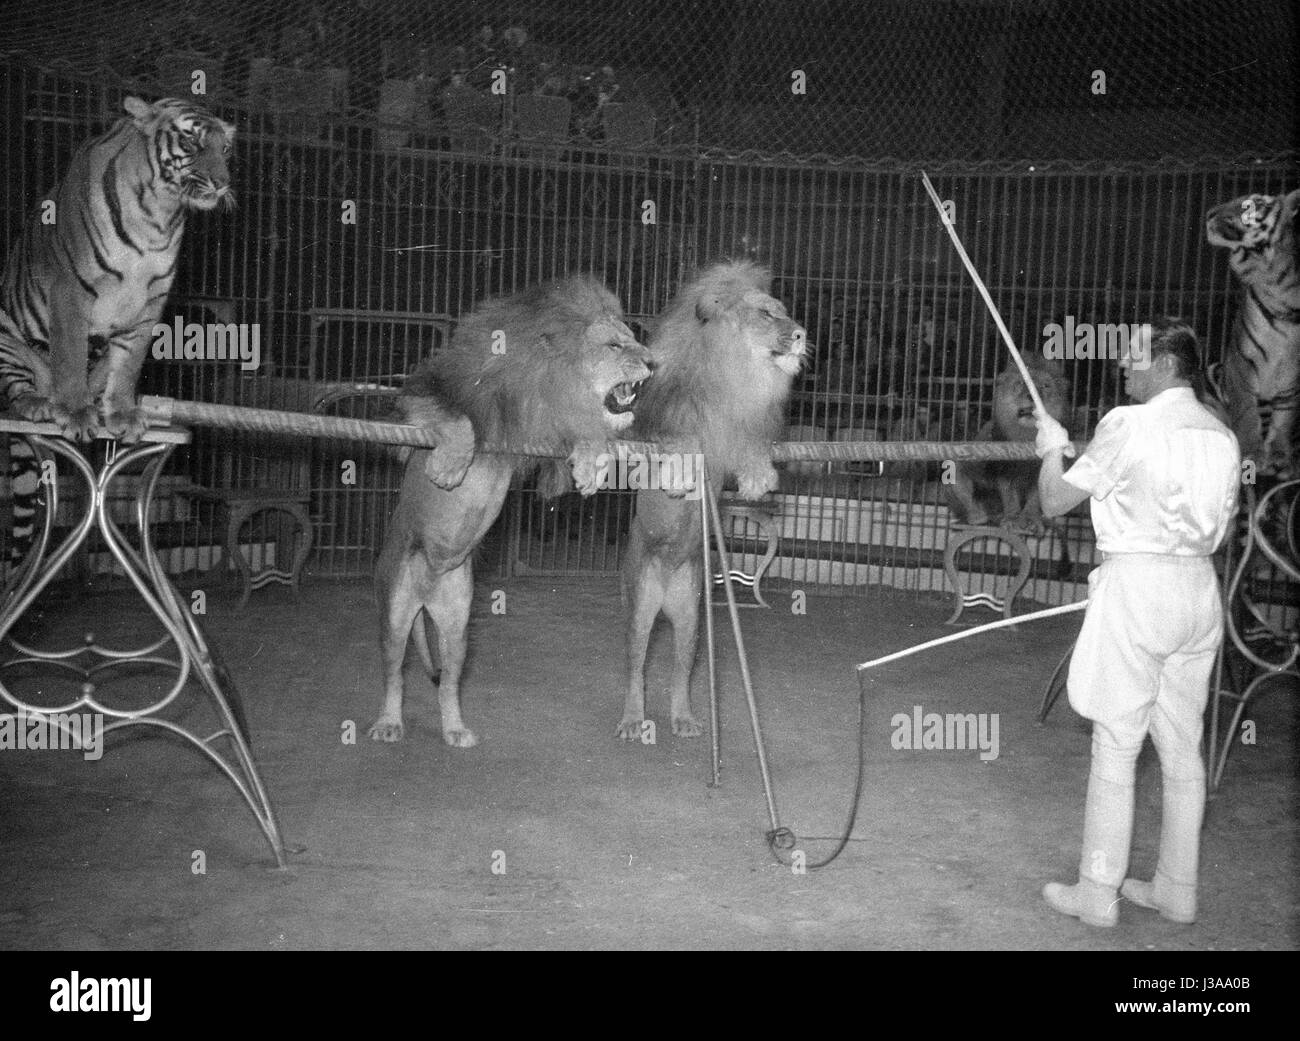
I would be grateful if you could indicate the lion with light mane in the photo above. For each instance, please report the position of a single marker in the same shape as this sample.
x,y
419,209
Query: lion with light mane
x,y
725,353
553,366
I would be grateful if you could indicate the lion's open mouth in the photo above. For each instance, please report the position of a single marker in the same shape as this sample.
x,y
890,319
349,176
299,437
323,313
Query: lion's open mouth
x,y
622,397
788,362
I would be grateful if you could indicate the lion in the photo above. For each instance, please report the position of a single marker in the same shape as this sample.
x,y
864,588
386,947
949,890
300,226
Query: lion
x,y
725,353
1006,492
553,366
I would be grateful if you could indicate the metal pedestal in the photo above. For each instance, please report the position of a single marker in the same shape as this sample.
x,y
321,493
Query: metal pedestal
x,y
1266,650
189,656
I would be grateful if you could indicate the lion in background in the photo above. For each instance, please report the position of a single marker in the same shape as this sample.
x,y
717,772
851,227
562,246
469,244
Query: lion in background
x,y
1006,492
553,366
725,353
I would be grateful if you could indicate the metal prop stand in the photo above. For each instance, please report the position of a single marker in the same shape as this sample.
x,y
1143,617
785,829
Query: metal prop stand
x,y
1263,630
191,658
715,734
713,520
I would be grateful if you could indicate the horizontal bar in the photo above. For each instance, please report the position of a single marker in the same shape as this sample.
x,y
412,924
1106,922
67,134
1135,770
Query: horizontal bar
x,y
167,411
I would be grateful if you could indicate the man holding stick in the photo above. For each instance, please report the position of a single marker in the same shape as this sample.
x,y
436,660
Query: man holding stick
x,y
1163,476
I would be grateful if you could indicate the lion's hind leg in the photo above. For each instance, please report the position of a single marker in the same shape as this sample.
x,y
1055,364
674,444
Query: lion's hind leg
x,y
682,606
643,594
398,582
449,608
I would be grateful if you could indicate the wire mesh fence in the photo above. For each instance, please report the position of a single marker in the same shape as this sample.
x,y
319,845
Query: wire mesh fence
x,y
962,79
447,213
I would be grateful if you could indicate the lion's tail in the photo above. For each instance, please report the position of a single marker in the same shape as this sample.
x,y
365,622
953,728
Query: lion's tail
x,y
420,634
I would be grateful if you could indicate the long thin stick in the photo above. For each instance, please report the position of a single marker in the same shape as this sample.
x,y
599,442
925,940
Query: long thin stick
x,y
968,633
715,733
725,561
988,300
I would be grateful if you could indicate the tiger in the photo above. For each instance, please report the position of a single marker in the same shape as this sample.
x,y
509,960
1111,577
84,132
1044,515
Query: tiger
x,y
90,272
1261,374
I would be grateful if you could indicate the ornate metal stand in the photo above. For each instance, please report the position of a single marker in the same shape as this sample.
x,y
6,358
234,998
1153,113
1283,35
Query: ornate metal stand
x,y
961,536
193,658
1281,503
242,504
762,515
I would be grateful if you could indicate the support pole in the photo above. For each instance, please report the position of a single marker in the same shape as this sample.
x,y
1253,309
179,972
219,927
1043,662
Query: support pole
x,y
759,750
715,733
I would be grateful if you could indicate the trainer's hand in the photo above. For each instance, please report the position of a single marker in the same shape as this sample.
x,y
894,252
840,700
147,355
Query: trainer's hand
x,y
1052,437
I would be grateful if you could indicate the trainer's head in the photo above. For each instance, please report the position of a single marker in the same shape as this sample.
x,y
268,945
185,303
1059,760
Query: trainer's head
x,y
1162,353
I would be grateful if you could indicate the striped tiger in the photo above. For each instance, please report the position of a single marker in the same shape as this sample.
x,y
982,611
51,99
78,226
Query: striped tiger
x,y
87,278
1261,374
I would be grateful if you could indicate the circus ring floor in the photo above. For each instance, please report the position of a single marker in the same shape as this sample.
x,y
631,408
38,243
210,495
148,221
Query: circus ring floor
x,y
602,844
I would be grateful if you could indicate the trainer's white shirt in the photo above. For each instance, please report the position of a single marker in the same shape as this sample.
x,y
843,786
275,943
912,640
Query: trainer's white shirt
x,y
1163,477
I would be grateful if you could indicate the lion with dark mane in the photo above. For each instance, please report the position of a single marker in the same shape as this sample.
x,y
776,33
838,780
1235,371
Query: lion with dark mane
x,y
724,353
551,367
1006,492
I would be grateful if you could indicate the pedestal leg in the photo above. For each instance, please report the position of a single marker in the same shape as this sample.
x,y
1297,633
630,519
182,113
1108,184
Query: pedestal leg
x,y
193,657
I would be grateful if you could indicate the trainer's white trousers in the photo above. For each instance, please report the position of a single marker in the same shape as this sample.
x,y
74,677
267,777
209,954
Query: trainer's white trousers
x,y
1144,655
1142,665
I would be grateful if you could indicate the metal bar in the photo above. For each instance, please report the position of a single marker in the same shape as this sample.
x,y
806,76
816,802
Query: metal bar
x,y
715,731
166,411
759,750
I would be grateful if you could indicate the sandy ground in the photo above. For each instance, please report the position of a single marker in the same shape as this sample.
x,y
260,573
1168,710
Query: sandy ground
x,y
602,844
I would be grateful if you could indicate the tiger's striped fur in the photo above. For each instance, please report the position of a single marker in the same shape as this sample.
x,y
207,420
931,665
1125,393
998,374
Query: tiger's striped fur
x,y
87,278
1261,374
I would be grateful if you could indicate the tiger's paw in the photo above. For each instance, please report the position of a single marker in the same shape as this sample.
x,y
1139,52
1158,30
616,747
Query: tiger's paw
x,y
687,726
35,408
76,420
126,423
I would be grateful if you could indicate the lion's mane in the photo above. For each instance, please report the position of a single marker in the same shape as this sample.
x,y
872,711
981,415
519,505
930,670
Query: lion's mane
x,y
1010,395
514,366
700,390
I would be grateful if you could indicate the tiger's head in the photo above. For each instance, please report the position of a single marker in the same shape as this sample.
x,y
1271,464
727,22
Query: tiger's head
x,y
1255,228
188,150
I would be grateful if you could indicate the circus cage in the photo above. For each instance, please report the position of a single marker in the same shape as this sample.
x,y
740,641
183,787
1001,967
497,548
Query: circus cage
x,y
394,165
